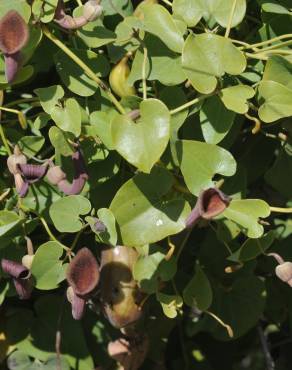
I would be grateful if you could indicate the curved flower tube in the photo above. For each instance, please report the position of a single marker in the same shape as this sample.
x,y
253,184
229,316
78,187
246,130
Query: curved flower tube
x,y
91,11
80,176
210,203
20,275
14,35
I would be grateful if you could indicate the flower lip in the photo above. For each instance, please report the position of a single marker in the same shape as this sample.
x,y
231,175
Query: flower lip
x,y
14,33
83,273
77,304
32,172
212,202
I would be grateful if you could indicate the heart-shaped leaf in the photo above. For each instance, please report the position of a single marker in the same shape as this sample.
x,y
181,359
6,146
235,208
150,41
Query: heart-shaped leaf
x,y
252,248
30,145
66,211
170,304
47,267
142,142
191,11
162,64
278,69
158,21
207,57
109,236
50,97
246,213
59,140
141,212
235,97
199,162
74,77
277,102
216,120
68,117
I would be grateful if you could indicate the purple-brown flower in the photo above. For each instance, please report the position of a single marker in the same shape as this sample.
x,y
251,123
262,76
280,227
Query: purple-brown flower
x,y
91,11
20,275
14,35
80,176
210,203
83,278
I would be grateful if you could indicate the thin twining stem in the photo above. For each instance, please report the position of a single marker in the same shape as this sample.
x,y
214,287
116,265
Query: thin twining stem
x,y
85,68
266,42
227,32
281,210
191,102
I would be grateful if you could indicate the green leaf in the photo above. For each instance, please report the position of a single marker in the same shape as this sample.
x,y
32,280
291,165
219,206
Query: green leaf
x,y
231,305
170,304
74,77
50,97
66,211
277,102
19,361
162,64
221,11
21,6
68,117
191,11
145,271
198,291
142,214
252,248
246,213
216,120
9,221
278,69
158,21
94,33
270,7
101,121
41,120
142,142
31,145
235,98
59,140
207,57
200,162
107,218
46,266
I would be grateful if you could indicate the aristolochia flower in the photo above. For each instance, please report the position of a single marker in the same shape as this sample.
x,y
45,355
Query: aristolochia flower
x,y
20,275
14,35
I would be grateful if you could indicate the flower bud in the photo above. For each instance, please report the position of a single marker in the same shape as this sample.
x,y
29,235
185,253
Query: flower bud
x,y
284,272
27,260
92,10
118,79
14,160
120,293
55,174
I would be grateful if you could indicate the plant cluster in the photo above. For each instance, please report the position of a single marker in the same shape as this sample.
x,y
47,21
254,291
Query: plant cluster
x,y
146,184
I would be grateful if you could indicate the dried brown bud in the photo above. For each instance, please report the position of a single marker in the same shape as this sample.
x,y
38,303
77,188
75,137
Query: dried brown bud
x,y
120,293
55,174
13,33
83,273
210,203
